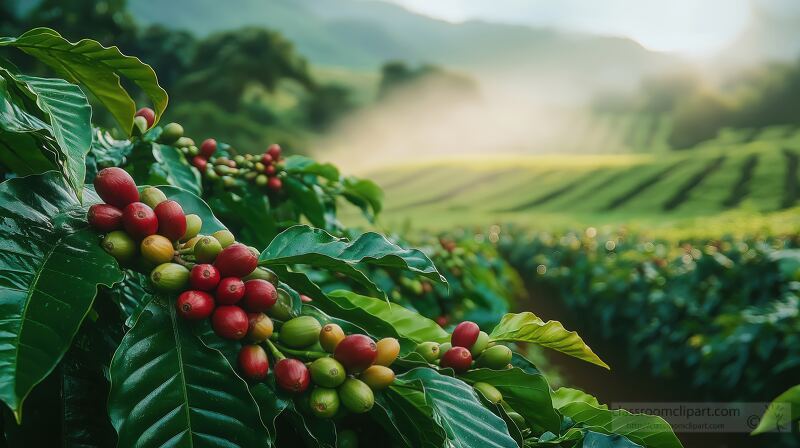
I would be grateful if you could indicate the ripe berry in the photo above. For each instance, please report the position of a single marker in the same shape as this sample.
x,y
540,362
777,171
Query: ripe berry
x,y
266,159
157,249
171,220
208,147
229,322
270,170
260,327
200,163
194,305
235,260
377,377
229,291
292,375
274,150
356,352
253,362
442,320
465,334
139,220
148,115
204,277
259,295
388,349
116,187
105,217
330,336
457,358
274,184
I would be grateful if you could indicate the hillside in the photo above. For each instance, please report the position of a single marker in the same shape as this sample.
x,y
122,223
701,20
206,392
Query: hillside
x,y
362,35
739,171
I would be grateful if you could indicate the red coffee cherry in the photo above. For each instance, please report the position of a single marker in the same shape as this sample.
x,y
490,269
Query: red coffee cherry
x,y
204,277
208,147
259,295
457,358
230,322
229,291
105,217
171,220
465,334
253,362
194,305
356,352
292,375
235,260
139,220
148,115
116,187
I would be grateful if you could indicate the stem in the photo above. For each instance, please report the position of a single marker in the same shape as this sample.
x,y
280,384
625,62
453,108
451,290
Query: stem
x,y
274,350
302,353
186,251
182,262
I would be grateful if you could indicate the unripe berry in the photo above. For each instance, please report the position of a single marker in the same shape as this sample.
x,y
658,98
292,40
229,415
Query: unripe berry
x,y
388,349
324,402
327,372
235,260
263,274
465,334
253,362
480,344
229,291
171,220
457,358
230,322
207,249
300,332
225,237
274,184
157,249
428,350
170,277
330,336
148,115
496,357
292,375
260,327
356,396
116,187
377,377
171,133
139,126
104,217
193,226
139,220
200,163
259,295
444,348
208,147
489,392
120,245
356,352
204,277
261,180
274,151
184,142
194,305
152,196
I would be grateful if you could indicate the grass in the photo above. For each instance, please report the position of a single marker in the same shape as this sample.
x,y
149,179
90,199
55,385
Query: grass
x,y
734,183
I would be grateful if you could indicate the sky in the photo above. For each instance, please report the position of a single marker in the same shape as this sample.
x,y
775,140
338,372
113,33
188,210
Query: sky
x,y
692,27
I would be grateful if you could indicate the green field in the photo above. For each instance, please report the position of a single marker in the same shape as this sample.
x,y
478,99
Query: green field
x,y
739,174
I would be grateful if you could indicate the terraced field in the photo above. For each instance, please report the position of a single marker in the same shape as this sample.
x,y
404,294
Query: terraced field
x,y
744,171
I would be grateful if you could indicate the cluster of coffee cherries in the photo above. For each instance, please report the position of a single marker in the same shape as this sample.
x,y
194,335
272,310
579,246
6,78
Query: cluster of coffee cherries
x,y
468,347
344,370
263,170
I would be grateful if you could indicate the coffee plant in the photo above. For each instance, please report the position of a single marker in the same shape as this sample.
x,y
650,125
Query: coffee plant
x,y
133,316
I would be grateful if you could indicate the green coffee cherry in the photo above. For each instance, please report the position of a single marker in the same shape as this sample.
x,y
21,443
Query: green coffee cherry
x,y
263,274
324,402
444,347
282,310
171,133
120,245
207,249
238,159
489,392
170,277
518,420
225,237
300,332
139,125
152,196
193,226
261,180
327,372
228,182
496,357
428,350
480,344
259,167
356,396
184,142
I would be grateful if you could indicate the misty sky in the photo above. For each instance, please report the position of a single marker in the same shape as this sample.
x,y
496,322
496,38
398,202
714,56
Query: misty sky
x,y
695,27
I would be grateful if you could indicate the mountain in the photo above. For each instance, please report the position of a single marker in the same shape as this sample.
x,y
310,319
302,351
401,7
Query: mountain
x,y
773,34
361,34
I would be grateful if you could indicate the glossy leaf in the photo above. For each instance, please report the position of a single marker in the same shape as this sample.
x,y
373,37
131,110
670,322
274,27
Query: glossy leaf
x,y
465,420
305,165
527,327
96,68
364,194
168,389
415,417
599,440
646,430
527,393
51,264
171,168
305,245
246,214
308,200
106,151
781,412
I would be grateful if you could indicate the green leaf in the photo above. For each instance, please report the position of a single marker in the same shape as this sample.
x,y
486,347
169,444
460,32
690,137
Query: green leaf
x,y
415,417
168,389
364,194
465,420
306,199
599,440
305,165
171,168
527,393
70,116
646,430
781,412
406,323
305,245
106,151
51,264
95,67
246,214
527,327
